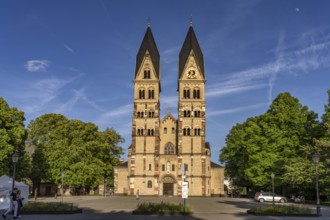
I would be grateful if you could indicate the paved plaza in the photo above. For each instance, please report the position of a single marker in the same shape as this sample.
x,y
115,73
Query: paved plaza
x,y
121,207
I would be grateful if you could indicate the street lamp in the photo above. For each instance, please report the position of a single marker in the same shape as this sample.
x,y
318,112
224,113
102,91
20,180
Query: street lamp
x,y
14,157
316,160
272,175
62,175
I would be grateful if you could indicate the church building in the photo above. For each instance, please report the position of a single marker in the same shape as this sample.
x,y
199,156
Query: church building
x,y
165,152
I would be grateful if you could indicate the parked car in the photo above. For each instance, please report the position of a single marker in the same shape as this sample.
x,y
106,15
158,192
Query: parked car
x,y
268,197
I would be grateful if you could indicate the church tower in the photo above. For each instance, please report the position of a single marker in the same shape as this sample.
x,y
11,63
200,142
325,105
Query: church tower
x,y
191,115
145,124
167,152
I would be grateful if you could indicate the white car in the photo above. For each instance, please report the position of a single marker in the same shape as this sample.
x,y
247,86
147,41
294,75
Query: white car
x,y
268,197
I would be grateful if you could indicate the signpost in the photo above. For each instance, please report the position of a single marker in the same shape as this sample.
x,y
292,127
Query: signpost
x,y
184,187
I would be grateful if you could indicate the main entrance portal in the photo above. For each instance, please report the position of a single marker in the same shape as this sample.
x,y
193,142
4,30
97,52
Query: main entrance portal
x,y
168,189
168,186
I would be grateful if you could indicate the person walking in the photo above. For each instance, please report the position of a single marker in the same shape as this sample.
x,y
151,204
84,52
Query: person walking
x,y
137,195
19,203
13,206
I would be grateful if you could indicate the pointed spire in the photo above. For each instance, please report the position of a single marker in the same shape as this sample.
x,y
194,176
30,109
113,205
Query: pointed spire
x,y
148,44
191,44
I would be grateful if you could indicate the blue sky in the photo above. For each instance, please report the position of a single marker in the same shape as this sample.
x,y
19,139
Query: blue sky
x,y
77,57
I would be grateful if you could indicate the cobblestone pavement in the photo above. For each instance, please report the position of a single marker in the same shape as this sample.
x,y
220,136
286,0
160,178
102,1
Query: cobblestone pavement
x,y
120,207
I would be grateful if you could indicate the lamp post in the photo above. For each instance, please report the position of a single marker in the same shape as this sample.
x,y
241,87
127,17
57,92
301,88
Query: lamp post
x,y
62,175
316,160
14,157
105,187
272,175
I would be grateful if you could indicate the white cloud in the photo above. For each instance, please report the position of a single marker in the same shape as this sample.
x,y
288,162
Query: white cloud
x,y
43,92
79,95
170,55
234,110
121,111
312,53
68,48
36,65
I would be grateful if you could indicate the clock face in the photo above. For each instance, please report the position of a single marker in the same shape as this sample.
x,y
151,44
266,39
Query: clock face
x,y
191,74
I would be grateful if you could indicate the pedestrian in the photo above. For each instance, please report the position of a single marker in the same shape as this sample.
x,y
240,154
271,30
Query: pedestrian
x,y
19,203
137,195
14,204
35,193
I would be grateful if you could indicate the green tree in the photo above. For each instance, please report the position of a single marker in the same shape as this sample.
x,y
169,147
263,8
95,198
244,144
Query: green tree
x,y
322,146
42,133
110,152
12,138
77,148
272,142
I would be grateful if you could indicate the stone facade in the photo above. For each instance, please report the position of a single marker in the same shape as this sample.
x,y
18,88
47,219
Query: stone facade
x,y
161,148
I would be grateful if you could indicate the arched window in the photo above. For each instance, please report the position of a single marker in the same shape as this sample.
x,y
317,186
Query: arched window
x,y
151,94
165,130
197,131
139,132
173,130
146,74
150,132
140,114
197,113
169,148
149,184
186,132
186,93
197,93
141,94
151,113
186,113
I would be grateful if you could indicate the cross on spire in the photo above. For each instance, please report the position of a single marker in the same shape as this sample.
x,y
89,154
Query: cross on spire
x,y
168,110
190,19
149,22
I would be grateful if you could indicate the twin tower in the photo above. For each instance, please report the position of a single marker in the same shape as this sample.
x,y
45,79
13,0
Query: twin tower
x,y
165,152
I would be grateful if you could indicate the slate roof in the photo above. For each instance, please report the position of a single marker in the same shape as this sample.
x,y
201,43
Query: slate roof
x,y
207,145
125,164
215,165
191,43
148,44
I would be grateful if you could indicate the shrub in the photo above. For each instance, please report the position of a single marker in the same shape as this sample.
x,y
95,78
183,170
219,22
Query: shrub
x,y
50,207
162,208
282,209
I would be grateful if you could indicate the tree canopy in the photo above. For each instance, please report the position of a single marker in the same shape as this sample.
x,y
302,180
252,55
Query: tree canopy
x,y
12,139
84,154
278,141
